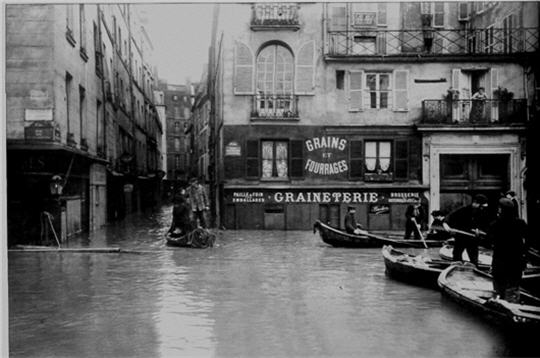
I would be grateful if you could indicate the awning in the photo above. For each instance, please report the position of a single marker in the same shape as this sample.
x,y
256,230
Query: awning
x,y
51,146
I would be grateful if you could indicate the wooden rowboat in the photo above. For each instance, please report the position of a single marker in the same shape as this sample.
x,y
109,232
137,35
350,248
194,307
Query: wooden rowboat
x,y
419,270
474,289
484,257
198,239
181,241
340,238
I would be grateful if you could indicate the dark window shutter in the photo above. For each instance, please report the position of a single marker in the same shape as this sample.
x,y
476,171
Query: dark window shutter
x,y
243,69
415,159
252,159
356,159
297,158
305,68
401,159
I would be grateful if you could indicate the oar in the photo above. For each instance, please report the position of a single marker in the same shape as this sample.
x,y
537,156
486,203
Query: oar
x,y
373,236
417,226
456,231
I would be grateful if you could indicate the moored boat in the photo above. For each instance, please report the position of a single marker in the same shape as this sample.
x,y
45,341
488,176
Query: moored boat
x,y
420,270
484,257
474,289
340,238
199,238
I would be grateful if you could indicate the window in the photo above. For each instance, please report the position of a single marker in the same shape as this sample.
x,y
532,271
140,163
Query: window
x,y
378,89
82,27
381,14
177,127
438,14
274,159
82,111
177,144
340,79
509,43
378,155
488,40
175,98
69,80
177,112
177,161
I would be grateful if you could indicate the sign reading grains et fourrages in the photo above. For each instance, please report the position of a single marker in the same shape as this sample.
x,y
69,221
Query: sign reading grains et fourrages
x,y
326,155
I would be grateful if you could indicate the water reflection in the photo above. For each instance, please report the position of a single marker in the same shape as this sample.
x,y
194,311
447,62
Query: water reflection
x,y
254,294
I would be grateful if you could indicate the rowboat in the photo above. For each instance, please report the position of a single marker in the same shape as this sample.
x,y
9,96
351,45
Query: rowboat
x,y
339,238
199,239
484,258
420,270
474,289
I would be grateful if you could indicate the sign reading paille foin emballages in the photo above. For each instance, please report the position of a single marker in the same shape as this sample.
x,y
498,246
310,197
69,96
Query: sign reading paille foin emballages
x,y
326,155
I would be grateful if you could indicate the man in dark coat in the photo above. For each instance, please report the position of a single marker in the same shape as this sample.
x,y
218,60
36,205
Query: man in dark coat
x,y
507,234
181,222
413,217
472,219
439,228
351,226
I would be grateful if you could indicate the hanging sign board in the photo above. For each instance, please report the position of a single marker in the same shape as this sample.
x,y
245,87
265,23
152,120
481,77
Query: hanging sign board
x,y
233,149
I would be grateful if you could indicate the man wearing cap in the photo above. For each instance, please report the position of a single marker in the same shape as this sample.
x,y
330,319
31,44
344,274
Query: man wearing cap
x,y
508,234
413,218
198,201
473,219
351,227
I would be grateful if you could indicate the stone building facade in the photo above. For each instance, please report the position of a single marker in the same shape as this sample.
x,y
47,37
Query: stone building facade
x,y
325,106
70,124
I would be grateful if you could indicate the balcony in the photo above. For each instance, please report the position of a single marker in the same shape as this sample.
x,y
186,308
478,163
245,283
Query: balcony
x,y
431,42
275,16
274,107
468,112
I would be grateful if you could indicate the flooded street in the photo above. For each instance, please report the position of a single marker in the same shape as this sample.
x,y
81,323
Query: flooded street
x,y
254,294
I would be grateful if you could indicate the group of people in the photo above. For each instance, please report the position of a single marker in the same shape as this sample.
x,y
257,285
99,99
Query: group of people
x,y
189,208
471,226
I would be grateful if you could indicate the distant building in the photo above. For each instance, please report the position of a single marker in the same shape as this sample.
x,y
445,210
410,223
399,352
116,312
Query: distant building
x,y
319,106
77,144
177,101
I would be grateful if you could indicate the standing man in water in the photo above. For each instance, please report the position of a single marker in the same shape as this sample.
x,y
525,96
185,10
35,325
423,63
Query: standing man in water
x,y
198,200
413,217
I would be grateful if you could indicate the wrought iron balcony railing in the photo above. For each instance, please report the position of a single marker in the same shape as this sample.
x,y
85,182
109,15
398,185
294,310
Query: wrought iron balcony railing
x,y
374,42
472,112
275,16
272,106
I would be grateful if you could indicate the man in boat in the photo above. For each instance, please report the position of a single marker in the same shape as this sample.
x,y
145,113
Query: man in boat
x,y
351,226
507,234
471,219
198,199
439,228
413,216
181,223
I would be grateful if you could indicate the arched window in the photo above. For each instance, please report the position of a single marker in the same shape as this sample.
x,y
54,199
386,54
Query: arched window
x,y
275,79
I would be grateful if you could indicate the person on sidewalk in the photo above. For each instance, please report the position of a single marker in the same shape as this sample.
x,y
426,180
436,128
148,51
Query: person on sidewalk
x,y
198,200
351,226
472,219
413,217
507,234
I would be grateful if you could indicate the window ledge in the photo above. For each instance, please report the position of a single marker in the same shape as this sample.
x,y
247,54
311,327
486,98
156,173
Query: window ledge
x,y
69,37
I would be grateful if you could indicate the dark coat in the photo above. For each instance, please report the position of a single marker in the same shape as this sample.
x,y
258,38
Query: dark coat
x,y
467,218
181,217
350,223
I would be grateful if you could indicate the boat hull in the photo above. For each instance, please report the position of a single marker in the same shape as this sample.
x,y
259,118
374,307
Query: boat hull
x,y
339,238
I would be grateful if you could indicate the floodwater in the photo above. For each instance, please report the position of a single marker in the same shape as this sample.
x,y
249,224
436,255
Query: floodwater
x,y
256,294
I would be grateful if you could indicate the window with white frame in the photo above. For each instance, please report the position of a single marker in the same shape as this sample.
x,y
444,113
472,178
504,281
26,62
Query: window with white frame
x,y
274,159
378,157
378,89
508,24
436,10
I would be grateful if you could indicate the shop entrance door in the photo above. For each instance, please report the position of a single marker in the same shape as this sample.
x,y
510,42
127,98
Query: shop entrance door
x,y
464,175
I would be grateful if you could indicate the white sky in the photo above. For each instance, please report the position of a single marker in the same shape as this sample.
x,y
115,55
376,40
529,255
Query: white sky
x,y
180,35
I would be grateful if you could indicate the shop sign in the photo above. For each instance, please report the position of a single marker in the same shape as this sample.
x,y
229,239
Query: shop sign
x,y
42,131
233,149
38,114
324,197
364,19
326,155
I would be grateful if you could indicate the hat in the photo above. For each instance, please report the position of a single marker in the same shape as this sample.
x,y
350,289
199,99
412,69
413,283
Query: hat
x,y
506,203
480,199
351,208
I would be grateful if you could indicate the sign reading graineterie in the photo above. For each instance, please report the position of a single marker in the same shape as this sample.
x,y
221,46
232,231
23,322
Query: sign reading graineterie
x,y
320,197
326,156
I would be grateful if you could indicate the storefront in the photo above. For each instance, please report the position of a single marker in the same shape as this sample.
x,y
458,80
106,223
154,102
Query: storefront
x,y
298,208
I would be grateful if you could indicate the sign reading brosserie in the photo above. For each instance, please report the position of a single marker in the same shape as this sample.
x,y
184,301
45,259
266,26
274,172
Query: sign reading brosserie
x,y
326,155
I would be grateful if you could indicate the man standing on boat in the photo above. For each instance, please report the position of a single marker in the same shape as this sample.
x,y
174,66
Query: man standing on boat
x,y
198,200
351,226
471,219
508,234
413,216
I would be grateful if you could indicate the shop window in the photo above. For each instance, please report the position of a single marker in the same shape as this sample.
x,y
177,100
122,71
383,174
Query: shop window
x,y
274,159
378,159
